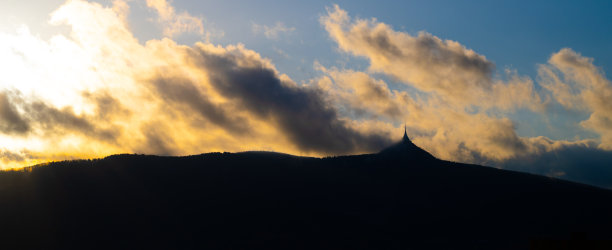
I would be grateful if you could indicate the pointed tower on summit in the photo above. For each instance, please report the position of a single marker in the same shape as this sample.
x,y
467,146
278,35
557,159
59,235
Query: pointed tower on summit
x,y
405,138
405,149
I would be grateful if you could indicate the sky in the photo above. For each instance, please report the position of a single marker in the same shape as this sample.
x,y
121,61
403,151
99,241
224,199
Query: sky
x,y
515,85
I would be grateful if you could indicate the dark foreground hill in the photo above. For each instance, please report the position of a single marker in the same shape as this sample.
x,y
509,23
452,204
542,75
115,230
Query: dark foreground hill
x,y
401,198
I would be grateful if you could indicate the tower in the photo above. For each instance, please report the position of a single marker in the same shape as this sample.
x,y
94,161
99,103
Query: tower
x,y
405,149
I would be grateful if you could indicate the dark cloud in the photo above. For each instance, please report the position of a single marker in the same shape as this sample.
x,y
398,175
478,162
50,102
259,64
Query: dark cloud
x,y
582,164
505,137
381,42
157,140
425,61
11,121
18,156
425,49
11,156
107,106
431,50
49,119
52,119
182,91
300,112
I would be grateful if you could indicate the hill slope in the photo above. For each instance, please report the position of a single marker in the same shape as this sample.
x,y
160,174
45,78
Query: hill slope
x,y
397,199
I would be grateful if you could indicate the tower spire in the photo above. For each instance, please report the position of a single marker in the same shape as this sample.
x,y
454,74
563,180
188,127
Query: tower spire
x,y
405,138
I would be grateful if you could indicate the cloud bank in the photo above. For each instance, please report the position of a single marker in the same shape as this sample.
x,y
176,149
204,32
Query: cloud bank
x,y
157,98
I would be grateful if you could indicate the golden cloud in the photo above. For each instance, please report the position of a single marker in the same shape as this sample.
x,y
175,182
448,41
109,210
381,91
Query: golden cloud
x,y
577,84
443,67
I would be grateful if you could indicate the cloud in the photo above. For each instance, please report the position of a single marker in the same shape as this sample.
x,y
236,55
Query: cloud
x,y
11,121
442,67
245,88
8,156
444,130
272,32
281,53
174,23
157,140
300,112
577,84
183,92
122,8
106,106
363,96
38,117
578,163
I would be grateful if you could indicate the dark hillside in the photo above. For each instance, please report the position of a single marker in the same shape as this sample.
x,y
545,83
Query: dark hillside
x,y
398,199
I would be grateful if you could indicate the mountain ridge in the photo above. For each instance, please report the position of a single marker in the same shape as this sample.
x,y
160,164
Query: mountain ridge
x,y
401,197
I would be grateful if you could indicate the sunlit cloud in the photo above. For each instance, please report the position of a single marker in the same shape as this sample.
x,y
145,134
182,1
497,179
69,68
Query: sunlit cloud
x,y
577,84
174,23
444,130
122,8
446,68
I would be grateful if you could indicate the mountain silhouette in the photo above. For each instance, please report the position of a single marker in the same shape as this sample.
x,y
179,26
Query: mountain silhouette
x,y
399,198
